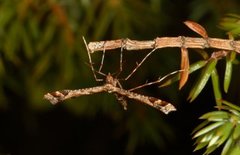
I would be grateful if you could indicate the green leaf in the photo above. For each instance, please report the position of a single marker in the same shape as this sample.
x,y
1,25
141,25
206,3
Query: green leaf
x,y
202,141
47,35
224,131
216,116
201,82
200,146
229,104
227,146
235,112
202,53
236,30
27,44
235,150
200,126
6,15
42,65
197,65
213,138
231,24
207,129
104,21
213,141
34,28
210,149
207,137
228,70
12,41
216,87
236,132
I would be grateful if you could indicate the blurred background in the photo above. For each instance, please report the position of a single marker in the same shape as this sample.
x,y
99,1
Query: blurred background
x,y
41,50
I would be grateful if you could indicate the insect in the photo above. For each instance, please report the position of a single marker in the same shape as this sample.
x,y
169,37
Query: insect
x,y
112,85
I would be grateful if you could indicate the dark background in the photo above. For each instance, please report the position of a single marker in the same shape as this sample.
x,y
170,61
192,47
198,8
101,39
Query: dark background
x,y
41,50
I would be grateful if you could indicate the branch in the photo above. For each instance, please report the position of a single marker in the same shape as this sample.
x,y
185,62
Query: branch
x,y
163,42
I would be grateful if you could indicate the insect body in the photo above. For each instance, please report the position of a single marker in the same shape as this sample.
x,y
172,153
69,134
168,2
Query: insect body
x,y
111,87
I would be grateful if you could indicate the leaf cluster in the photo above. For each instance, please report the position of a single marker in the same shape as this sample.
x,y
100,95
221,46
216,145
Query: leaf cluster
x,y
221,126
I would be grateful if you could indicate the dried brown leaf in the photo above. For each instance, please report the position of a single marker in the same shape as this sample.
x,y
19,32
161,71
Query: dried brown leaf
x,y
196,28
184,67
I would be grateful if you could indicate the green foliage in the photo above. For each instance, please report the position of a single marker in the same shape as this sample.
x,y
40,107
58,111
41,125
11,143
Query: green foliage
x,y
220,127
30,31
231,24
228,70
203,78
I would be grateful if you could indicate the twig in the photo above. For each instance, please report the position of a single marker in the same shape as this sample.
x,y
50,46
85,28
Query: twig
x,y
163,42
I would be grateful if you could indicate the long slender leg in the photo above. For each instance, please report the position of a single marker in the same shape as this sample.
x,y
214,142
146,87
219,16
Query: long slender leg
x,y
102,60
120,60
138,65
155,82
90,61
121,99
